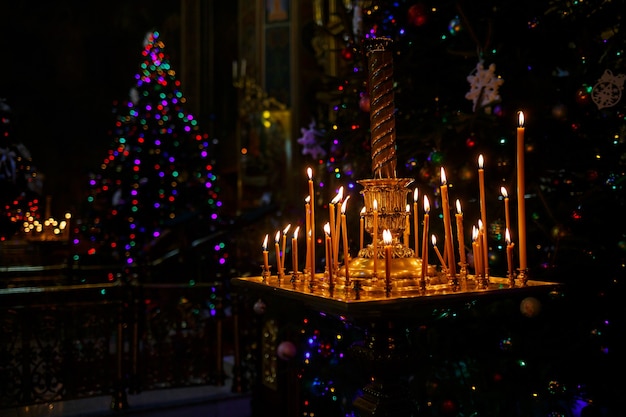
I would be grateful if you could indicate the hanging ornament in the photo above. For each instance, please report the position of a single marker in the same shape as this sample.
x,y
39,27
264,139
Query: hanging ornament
x,y
286,350
484,86
583,96
259,307
608,90
530,307
417,15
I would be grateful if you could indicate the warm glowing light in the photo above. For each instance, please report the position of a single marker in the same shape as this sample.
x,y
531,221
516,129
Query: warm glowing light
x,y
387,237
443,176
520,119
415,195
426,205
505,194
265,242
345,204
458,207
481,161
327,228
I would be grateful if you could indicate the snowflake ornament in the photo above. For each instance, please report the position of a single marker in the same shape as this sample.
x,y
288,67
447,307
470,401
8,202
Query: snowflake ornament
x,y
309,142
608,90
484,85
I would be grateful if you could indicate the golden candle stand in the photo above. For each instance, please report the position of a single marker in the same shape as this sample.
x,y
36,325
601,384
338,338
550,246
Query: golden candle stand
x,y
387,301
386,354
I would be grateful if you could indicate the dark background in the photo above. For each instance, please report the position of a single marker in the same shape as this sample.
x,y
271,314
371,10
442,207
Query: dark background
x,y
62,66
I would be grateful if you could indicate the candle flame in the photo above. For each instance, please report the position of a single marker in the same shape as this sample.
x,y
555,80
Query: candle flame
x,y
307,199
426,204
474,233
415,195
295,232
520,119
505,194
337,197
277,238
375,205
481,161
286,229
480,225
458,207
265,242
434,240
327,229
507,236
408,208
345,204
387,237
443,176
363,211
309,173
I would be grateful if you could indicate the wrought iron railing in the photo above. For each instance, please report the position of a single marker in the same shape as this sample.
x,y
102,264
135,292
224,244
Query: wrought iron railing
x,y
68,342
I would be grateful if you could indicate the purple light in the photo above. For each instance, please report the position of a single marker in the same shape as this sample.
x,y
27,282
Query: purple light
x,y
222,261
156,233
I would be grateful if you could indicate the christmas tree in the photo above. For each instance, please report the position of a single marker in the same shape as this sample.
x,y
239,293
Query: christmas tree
x,y
157,177
462,73
20,183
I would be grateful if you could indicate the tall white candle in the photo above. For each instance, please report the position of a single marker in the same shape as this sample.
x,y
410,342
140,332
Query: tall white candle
x,y
346,248
521,205
312,195
282,254
483,215
425,240
445,203
294,250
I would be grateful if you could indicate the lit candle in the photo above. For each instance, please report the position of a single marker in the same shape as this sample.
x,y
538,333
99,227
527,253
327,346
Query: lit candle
x,y
312,195
476,251
266,262
277,246
459,232
407,225
483,213
307,231
415,223
425,239
507,218
509,252
445,203
329,254
336,232
481,247
443,262
375,235
282,254
331,225
362,228
346,248
387,239
294,250
521,205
